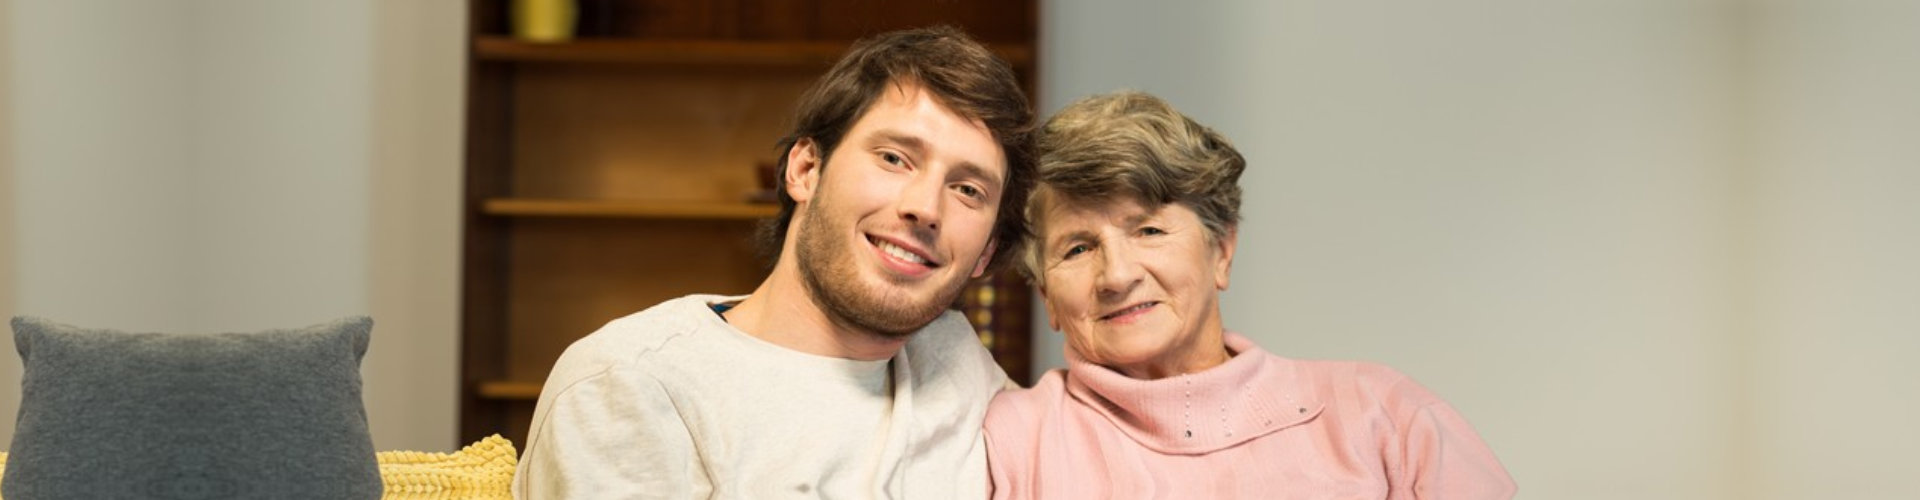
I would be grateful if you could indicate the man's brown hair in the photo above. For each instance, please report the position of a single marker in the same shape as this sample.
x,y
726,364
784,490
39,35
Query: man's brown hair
x,y
958,72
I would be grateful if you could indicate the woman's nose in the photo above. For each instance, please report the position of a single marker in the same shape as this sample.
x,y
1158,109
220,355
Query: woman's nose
x,y
1119,271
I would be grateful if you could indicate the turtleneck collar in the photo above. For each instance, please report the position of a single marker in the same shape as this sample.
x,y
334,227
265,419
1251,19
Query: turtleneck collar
x,y
1251,395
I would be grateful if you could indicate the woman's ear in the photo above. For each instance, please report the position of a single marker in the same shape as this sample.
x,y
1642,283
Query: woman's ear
x,y
802,175
1223,256
1053,320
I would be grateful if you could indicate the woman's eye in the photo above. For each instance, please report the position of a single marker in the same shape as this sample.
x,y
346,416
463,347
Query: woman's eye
x,y
1074,250
972,192
891,159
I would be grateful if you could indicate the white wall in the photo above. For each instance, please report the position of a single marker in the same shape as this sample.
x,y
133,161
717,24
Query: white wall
x,y
415,183
1651,248
9,372
1835,157
102,167
276,105
98,167
211,165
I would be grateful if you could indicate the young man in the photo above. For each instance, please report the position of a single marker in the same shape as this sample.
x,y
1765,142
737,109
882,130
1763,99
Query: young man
x,y
844,375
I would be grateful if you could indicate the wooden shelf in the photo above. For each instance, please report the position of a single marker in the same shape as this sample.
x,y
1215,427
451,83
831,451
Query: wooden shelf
x,y
691,52
512,391
573,149
629,209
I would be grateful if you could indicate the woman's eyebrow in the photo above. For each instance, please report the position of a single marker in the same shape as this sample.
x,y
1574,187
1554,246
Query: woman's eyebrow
x,y
1075,235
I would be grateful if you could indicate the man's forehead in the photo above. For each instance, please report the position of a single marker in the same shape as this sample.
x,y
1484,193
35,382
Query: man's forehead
x,y
904,99
904,93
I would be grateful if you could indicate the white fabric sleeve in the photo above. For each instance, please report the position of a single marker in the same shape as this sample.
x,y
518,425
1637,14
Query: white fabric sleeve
x,y
616,434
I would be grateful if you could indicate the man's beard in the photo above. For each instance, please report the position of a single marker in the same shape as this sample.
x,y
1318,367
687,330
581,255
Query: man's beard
x,y
827,267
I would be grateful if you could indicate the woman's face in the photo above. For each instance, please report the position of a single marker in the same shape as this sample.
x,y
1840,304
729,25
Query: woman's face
x,y
1135,288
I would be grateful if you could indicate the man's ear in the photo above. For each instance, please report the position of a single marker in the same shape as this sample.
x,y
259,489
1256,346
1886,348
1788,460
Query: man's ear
x,y
802,175
986,257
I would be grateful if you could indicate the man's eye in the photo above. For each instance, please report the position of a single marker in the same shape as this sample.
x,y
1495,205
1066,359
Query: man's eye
x,y
1150,231
891,159
972,192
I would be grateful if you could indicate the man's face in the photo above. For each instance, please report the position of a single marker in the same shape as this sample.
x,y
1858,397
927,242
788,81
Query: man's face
x,y
902,214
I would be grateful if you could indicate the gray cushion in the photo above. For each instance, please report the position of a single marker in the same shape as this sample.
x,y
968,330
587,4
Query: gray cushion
x,y
274,414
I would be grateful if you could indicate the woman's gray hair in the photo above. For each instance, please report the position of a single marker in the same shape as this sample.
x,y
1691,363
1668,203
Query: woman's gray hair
x,y
1130,144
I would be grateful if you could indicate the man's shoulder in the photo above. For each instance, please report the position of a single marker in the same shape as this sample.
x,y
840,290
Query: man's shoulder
x,y
949,339
627,340
947,332
949,349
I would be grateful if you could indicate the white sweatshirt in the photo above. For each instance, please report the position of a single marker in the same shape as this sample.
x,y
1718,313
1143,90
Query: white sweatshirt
x,y
673,402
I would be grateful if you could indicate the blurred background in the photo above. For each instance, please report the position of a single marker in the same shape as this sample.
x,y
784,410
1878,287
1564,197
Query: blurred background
x,y
1651,249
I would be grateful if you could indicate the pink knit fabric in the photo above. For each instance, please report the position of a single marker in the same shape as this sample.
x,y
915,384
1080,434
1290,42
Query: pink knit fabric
x,y
1258,426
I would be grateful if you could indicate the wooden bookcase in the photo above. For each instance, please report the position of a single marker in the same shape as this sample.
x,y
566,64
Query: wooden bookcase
x,y
612,172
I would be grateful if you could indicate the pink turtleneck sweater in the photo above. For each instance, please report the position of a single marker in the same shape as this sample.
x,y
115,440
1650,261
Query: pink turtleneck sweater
x,y
1258,426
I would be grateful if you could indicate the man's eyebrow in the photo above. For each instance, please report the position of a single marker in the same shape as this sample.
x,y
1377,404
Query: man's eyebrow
x,y
912,143
976,171
917,146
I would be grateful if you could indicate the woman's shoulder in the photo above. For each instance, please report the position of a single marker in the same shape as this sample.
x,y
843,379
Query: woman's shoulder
x,y
1346,371
1373,384
1051,388
1015,431
1022,410
1328,379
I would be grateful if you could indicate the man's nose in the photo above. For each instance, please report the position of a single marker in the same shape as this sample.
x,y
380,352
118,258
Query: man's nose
x,y
920,201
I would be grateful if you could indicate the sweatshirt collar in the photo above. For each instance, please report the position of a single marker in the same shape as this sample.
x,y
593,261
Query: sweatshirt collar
x,y
1251,395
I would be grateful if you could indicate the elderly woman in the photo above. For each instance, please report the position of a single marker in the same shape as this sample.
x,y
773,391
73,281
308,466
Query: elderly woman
x,y
1134,222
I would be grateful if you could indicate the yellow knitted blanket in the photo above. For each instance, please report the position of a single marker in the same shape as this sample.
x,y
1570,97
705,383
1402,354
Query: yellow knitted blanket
x,y
480,471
